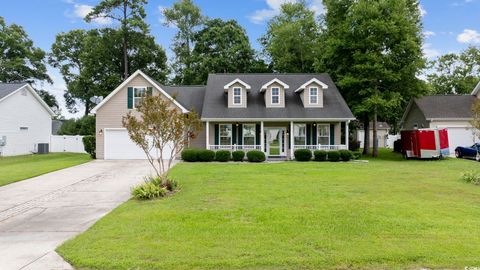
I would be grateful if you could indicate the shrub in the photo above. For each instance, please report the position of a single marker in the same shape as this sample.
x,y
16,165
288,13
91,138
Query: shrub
x,y
222,155
397,146
164,182
320,155
205,155
333,156
303,155
345,155
238,155
353,145
356,155
190,155
255,156
148,190
89,145
471,177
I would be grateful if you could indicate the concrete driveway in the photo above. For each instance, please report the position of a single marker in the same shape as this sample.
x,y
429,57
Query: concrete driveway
x,y
39,214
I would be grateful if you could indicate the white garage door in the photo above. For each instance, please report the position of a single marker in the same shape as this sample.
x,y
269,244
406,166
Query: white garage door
x,y
459,136
119,146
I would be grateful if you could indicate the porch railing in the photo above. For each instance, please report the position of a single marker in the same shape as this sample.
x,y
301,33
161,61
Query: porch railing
x,y
235,147
325,147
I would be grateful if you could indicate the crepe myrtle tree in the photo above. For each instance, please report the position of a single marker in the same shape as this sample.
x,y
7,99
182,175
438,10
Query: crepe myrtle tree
x,y
160,127
475,122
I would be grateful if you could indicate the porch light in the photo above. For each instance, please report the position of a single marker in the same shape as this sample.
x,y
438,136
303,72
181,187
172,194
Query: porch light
x,y
314,124
100,132
236,124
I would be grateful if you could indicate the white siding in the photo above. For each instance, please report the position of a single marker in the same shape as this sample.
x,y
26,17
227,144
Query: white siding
x,y
20,110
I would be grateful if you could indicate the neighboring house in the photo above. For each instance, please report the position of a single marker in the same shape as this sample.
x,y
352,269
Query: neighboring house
x,y
382,134
25,119
273,113
444,111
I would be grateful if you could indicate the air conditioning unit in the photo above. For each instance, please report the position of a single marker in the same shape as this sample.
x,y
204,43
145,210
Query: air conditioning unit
x,y
3,140
42,148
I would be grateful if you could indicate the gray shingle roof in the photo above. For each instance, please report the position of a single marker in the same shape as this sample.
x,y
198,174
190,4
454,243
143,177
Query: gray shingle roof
x,y
446,106
8,88
216,105
191,97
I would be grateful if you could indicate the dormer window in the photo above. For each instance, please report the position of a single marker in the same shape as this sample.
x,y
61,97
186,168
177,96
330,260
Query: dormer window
x,y
275,95
313,91
237,95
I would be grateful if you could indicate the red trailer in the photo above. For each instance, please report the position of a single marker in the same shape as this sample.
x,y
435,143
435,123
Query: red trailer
x,y
425,143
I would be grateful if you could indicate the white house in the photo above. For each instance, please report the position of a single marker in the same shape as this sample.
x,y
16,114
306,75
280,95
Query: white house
x,y
25,119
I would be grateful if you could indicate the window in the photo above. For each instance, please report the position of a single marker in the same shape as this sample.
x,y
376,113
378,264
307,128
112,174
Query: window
x,y
248,134
275,95
237,95
299,134
323,134
225,134
138,94
313,95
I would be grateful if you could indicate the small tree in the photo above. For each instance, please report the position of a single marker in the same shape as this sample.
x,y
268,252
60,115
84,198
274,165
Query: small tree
x,y
476,119
161,127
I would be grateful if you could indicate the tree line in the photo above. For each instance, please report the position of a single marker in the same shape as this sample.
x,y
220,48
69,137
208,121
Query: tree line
x,y
371,48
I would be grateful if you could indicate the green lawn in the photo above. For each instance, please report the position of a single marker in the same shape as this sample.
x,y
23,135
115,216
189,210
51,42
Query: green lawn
x,y
18,168
385,214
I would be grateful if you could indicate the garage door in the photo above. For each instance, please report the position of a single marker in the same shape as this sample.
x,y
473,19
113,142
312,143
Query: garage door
x,y
459,136
119,146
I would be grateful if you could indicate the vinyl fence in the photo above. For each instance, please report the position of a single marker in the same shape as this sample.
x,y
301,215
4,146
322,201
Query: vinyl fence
x,y
73,144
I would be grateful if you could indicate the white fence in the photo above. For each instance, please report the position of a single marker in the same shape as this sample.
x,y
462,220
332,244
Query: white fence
x,y
235,147
73,144
325,147
391,139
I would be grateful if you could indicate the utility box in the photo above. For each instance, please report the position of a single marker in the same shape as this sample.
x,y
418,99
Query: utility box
x,y
43,148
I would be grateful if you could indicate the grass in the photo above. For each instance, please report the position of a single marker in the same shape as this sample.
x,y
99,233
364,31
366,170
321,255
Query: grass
x,y
18,168
384,214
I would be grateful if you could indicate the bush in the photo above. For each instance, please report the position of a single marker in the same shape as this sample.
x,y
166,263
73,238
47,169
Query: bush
x,y
353,145
238,155
147,191
163,182
222,155
256,156
205,155
320,155
471,177
397,146
303,155
190,155
89,145
80,126
346,155
356,155
333,156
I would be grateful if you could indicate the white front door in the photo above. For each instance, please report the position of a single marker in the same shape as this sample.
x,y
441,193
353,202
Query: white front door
x,y
275,141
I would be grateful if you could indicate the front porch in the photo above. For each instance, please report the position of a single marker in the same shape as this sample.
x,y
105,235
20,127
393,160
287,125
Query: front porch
x,y
277,139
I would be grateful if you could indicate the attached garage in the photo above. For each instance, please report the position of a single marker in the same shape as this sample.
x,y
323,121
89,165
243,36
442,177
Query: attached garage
x,y
459,136
118,145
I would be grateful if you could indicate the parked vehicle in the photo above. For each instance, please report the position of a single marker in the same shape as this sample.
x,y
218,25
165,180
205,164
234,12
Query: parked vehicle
x,y
425,143
468,151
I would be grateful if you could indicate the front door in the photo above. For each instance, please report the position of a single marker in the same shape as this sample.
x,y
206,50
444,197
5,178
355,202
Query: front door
x,y
275,141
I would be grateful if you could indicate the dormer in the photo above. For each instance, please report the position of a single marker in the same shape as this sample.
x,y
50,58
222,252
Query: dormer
x,y
311,93
274,93
237,93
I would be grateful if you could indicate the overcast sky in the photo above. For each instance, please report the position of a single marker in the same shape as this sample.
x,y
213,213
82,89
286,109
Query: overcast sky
x,y
449,25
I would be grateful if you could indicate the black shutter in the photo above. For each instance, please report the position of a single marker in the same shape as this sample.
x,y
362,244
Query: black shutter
x,y
342,132
240,134
332,134
257,134
234,134
314,135
130,97
282,133
308,134
217,135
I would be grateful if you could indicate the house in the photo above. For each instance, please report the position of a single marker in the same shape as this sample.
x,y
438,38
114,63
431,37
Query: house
x,y
444,111
25,119
383,128
273,113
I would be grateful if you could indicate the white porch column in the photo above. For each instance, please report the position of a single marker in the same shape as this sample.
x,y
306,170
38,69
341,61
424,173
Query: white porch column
x,y
262,137
291,140
346,133
208,135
